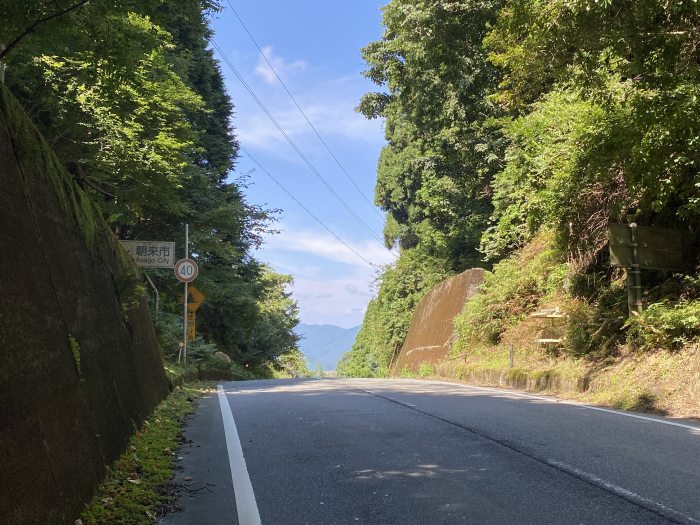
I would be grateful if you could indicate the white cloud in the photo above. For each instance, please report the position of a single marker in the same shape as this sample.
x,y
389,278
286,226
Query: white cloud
x,y
325,295
318,305
331,117
263,70
329,104
328,247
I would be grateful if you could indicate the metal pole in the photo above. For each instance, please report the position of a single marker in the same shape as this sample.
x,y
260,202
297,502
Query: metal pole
x,y
157,295
634,277
184,318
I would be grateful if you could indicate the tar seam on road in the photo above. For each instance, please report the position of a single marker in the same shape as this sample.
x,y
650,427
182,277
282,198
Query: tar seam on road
x,y
651,506
246,505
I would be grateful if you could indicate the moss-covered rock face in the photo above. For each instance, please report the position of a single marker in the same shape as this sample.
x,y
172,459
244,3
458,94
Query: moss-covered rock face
x,y
78,373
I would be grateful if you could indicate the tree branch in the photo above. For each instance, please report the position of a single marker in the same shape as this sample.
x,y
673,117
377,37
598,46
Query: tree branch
x,y
36,24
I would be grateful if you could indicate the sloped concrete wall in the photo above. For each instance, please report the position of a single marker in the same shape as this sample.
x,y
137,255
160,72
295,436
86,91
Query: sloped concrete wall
x,y
80,367
429,336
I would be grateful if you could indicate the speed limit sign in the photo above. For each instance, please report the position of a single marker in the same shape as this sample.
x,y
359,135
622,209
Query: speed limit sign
x,y
186,270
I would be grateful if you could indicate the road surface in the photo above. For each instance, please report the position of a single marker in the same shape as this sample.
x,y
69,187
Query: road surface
x,y
382,452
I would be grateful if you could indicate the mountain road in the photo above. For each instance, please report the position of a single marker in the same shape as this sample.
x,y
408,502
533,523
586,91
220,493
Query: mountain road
x,y
362,451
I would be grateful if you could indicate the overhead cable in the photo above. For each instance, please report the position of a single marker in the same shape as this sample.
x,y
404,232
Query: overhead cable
x,y
293,99
274,179
294,145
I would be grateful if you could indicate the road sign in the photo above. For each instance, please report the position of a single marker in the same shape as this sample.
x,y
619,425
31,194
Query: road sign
x,y
637,248
186,270
191,322
151,254
195,298
658,248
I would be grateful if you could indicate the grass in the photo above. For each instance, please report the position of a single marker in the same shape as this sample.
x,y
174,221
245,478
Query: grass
x,y
650,363
533,369
663,382
134,491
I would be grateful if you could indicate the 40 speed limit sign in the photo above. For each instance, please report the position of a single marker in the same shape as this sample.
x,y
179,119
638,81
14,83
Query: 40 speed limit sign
x,y
186,270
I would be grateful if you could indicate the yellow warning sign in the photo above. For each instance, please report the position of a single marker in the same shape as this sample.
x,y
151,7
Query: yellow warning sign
x,y
195,298
191,322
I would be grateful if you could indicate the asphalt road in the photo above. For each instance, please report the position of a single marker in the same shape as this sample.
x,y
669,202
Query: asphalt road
x,y
420,452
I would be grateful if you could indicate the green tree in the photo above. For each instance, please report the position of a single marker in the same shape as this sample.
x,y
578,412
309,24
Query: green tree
x,y
441,153
635,64
384,327
131,99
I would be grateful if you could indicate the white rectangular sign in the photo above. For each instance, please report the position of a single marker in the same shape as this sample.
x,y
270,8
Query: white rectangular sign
x,y
151,254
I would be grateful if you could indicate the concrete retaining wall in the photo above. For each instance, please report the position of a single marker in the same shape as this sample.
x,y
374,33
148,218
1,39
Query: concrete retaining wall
x,y
80,367
429,335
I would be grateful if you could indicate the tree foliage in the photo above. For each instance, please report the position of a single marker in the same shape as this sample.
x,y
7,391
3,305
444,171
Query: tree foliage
x,y
635,64
133,103
506,119
401,286
442,151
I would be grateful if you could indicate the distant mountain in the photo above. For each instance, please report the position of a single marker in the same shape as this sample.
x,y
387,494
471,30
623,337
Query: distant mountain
x,y
325,344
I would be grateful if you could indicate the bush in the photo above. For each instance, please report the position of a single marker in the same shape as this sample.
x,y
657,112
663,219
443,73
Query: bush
x,y
665,325
425,369
512,291
595,326
169,332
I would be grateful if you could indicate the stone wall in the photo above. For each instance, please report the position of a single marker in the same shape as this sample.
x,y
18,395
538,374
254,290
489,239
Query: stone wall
x,y
429,336
80,367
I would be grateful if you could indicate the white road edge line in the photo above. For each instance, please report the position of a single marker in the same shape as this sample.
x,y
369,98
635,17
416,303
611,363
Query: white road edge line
x,y
246,505
572,403
622,492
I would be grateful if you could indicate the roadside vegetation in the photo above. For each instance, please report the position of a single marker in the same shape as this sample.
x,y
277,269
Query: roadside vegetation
x,y
130,98
135,491
517,130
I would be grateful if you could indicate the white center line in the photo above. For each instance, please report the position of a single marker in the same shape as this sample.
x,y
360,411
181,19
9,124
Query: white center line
x,y
246,505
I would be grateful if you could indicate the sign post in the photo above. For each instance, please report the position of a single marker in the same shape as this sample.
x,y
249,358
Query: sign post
x,y
637,248
634,275
186,271
151,254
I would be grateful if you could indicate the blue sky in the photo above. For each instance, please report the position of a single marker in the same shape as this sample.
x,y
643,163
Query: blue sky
x,y
315,47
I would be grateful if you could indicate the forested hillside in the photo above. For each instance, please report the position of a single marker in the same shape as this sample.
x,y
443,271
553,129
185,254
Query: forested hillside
x,y
517,130
130,98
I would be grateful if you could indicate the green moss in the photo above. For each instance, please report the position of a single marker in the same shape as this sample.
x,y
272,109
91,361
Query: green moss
x,y
133,489
71,198
75,352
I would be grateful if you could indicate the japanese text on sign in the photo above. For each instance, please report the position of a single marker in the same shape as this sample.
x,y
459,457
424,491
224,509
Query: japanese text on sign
x,y
151,254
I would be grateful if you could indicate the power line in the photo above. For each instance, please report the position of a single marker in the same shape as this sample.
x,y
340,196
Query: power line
x,y
293,144
304,207
347,175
